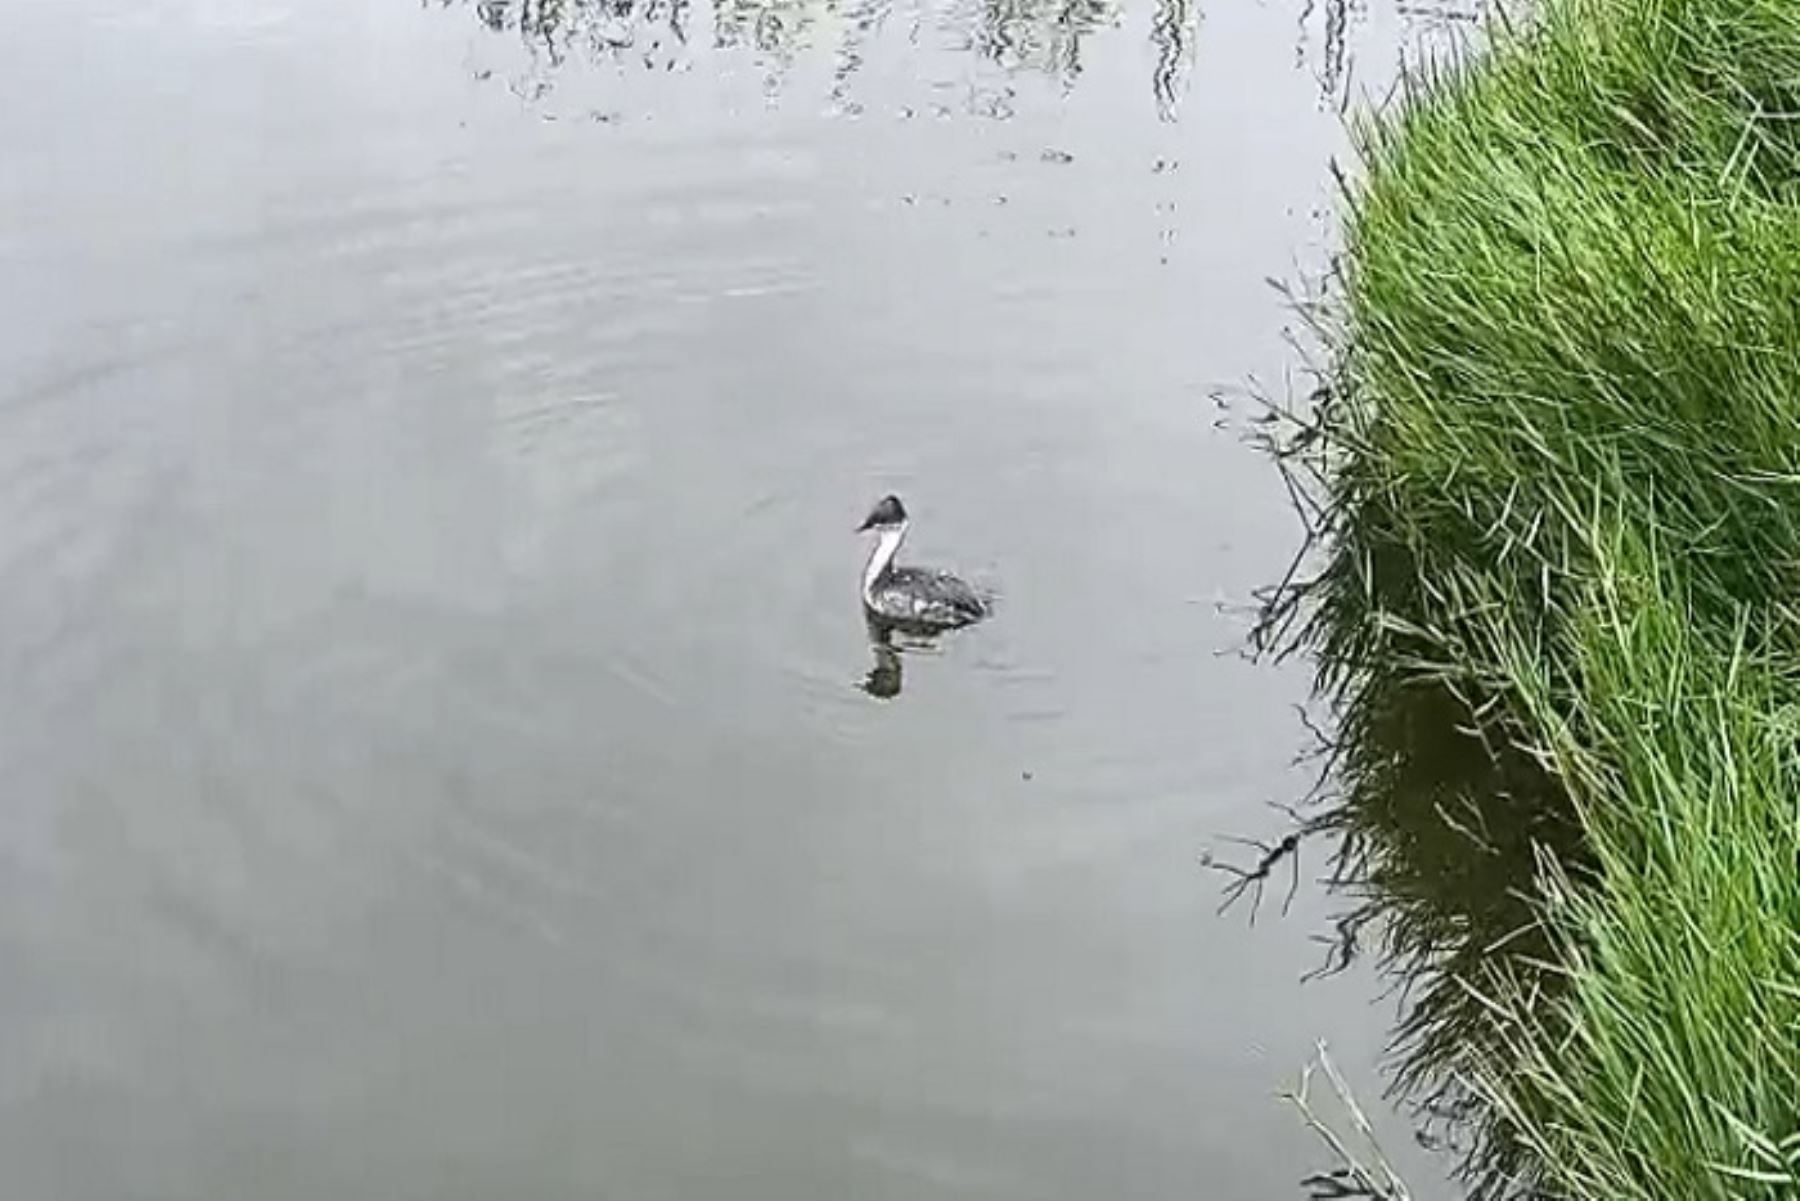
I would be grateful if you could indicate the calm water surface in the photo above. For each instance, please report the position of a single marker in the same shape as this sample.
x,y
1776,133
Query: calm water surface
x,y
430,725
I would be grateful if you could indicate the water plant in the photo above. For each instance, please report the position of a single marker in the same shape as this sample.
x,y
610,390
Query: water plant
x,y
1555,467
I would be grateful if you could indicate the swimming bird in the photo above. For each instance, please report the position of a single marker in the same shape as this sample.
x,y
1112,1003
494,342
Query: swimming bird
x,y
912,598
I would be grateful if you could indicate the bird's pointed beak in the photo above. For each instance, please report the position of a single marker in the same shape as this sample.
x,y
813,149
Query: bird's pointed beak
x,y
864,527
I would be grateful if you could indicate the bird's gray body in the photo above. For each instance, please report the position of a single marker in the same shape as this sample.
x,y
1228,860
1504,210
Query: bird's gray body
x,y
919,597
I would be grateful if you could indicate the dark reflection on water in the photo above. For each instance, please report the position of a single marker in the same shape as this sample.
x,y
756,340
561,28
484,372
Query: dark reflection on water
x,y
1172,33
1447,840
888,644
885,677
653,33
1328,32
1334,20
1047,38
884,680
1441,838
1040,35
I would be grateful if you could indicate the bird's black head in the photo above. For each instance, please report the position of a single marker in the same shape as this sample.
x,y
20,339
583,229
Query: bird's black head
x,y
887,513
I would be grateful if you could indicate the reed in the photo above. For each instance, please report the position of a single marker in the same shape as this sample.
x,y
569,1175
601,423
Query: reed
x,y
1557,470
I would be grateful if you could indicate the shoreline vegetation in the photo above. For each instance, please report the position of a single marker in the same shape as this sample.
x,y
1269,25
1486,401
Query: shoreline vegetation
x,y
1554,471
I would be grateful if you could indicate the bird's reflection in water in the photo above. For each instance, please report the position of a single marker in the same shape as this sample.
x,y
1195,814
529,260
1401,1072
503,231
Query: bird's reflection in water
x,y
887,644
885,677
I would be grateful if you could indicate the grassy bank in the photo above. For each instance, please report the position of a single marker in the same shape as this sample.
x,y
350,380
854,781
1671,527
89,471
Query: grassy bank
x,y
1560,456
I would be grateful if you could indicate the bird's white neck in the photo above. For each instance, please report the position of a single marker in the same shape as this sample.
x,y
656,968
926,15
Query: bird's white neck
x,y
887,545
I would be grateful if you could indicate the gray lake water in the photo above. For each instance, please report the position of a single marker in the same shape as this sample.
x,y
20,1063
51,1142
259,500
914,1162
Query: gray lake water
x,y
434,755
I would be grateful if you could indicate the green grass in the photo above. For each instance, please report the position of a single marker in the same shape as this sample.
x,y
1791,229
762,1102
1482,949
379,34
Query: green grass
x,y
1560,460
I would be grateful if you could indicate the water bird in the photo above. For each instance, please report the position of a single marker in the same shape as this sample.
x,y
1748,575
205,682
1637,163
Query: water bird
x,y
912,598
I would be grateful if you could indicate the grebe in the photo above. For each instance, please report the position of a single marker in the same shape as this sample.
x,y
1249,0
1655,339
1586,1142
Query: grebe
x,y
911,597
